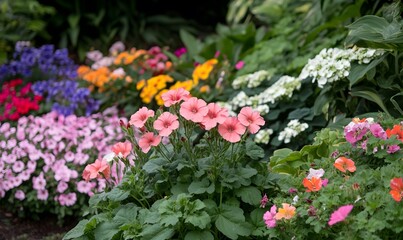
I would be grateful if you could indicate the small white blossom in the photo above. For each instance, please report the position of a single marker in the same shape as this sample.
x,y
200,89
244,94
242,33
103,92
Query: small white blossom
x,y
109,157
263,136
294,127
251,80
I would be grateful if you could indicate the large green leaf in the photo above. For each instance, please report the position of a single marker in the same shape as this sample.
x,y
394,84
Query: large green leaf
x,y
199,235
249,195
370,95
157,232
126,214
231,222
394,102
77,231
358,71
201,187
253,150
191,43
106,230
200,219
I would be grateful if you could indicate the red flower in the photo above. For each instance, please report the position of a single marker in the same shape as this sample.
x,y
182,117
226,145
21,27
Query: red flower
x,y
396,184
396,130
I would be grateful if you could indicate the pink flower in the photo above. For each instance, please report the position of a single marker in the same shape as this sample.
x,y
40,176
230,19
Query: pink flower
x,y
62,186
98,169
251,119
122,149
393,149
325,182
194,109
39,183
148,140
20,195
175,96
269,217
239,65
166,123
42,194
139,118
264,201
231,129
378,131
340,214
215,115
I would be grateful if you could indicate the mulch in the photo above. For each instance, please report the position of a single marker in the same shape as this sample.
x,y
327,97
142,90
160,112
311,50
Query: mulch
x,y
14,228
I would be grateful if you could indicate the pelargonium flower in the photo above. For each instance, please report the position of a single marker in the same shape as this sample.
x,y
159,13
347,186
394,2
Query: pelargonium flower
x,y
312,185
194,109
139,118
166,123
122,149
397,130
269,217
148,140
340,214
174,96
315,173
100,168
214,116
286,212
251,119
344,164
231,129
396,185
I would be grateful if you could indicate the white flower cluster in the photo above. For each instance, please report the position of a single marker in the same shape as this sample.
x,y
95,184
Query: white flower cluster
x,y
294,127
283,87
251,80
263,136
333,64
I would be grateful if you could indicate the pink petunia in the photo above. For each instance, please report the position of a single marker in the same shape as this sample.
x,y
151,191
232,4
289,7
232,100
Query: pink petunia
x,y
251,119
20,195
194,109
122,149
231,129
139,118
98,169
269,217
175,96
148,140
166,123
393,149
340,214
239,65
215,115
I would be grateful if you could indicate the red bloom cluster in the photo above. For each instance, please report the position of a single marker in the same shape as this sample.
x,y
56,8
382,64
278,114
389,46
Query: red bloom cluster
x,y
17,100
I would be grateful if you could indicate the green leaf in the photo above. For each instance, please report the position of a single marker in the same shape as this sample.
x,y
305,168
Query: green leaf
x,y
191,43
199,235
249,195
359,70
200,220
246,172
370,95
106,230
395,103
77,231
253,150
126,214
299,113
156,232
201,187
170,219
155,165
231,222
117,194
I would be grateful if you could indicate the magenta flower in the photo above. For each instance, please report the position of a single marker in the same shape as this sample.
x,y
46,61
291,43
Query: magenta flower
x,y
122,149
378,131
175,96
264,201
354,132
231,129
393,149
269,217
340,214
194,109
148,140
239,65
139,118
251,119
166,123
180,51
215,115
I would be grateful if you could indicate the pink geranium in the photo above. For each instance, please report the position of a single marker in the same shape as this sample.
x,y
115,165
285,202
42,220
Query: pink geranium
x,y
251,119
122,149
98,169
231,129
148,140
139,118
340,214
215,115
269,217
175,96
166,123
194,109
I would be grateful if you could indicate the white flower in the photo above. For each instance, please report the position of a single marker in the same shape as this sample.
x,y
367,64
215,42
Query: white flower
x,y
295,200
294,127
263,136
109,157
95,55
315,173
251,80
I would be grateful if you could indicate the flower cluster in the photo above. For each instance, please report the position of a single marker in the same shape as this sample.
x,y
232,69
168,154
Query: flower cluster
x,y
333,64
16,100
50,62
251,80
263,136
41,158
294,127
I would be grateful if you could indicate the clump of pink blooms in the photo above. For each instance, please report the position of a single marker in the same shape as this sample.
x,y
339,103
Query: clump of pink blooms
x,y
43,156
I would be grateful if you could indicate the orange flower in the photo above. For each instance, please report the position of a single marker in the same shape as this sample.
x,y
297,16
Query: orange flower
x,y
286,212
205,89
357,120
344,164
82,70
313,185
396,184
396,130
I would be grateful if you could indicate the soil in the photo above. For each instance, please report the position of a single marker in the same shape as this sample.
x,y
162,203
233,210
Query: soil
x,y
14,228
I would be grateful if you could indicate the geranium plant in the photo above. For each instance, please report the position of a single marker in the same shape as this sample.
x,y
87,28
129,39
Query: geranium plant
x,y
195,174
42,158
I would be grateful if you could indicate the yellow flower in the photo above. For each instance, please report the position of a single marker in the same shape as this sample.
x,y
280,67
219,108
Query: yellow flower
x,y
205,89
140,84
158,97
202,71
187,85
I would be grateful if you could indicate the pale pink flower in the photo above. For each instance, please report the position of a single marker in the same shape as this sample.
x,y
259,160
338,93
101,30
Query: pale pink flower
x,y
67,199
175,96
315,173
62,186
215,115
122,149
269,217
84,187
39,183
325,182
20,195
251,119
393,149
148,140
194,109
231,129
42,194
98,169
18,166
139,118
166,123
340,214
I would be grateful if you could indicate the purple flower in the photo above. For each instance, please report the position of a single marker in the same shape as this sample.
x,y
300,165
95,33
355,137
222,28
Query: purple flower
x,y
179,52
378,131
393,149
264,201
